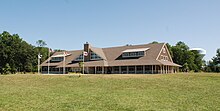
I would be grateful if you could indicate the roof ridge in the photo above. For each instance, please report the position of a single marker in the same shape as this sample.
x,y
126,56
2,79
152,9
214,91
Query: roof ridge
x,y
133,45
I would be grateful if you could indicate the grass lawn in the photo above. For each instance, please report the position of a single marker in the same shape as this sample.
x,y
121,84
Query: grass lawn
x,y
169,92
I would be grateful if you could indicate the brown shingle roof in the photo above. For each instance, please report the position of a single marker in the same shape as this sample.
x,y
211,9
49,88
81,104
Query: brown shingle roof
x,y
99,51
112,57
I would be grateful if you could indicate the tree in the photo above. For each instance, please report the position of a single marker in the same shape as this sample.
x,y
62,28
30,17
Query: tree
x,y
185,67
16,54
154,42
216,59
214,65
181,55
41,49
41,43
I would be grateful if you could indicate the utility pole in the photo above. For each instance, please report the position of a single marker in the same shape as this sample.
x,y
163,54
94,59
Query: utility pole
x,y
39,57
64,54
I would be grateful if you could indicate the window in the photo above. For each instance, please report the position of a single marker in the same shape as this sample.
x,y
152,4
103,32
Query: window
x,y
57,59
94,56
126,54
163,57
164,50
133,54
80,58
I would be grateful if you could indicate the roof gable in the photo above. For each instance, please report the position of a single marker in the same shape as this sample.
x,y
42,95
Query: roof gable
x,y
164,54
151,54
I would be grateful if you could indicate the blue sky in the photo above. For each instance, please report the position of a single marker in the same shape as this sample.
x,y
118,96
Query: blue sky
x,y
67,24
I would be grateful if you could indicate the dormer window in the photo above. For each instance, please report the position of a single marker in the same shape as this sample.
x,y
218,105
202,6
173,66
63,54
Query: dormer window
x,y
56,59
59,57
134,52
94,56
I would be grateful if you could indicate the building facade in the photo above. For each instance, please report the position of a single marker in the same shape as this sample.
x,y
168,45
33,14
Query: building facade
x,y
129,59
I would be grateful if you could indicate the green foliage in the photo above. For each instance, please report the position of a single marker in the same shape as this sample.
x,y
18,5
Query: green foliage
x,y
154,42
6,69
185,67
16,54
41,43
214,65
190,60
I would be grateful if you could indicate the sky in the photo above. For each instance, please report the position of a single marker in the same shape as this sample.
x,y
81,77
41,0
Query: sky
x,y
68,24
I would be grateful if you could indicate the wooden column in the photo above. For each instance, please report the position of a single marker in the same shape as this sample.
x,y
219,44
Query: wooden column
x,y
163,70
95,69
143,69
103,70
152,69
168,69
119,69
135,69
127,69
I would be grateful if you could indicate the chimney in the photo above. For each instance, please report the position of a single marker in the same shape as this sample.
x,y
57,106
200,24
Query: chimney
x,y
87,47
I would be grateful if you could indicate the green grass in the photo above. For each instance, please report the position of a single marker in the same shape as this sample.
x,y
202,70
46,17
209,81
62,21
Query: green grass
x,y
169,92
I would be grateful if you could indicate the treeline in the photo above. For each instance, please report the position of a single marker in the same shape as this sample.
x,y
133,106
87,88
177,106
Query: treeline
x,y
214,64
192,60
16,55
188,59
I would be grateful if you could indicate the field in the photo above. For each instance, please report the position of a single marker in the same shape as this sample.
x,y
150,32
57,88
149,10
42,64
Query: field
x,y
169,92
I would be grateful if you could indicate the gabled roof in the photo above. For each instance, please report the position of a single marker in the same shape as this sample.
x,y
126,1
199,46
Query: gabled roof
x,y
113,53
98,51
112,56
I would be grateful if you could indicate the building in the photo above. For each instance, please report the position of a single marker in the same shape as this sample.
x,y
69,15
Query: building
x,y
129,59
201,51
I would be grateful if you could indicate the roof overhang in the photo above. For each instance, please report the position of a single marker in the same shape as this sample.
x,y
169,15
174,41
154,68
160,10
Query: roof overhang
x,y
136,50
61,55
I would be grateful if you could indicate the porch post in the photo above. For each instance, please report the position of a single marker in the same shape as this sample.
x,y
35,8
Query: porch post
x,y
163,69
112,71
95,69
87,70
143,69
166,69
135,69
152,68
127,69
103,69
160,69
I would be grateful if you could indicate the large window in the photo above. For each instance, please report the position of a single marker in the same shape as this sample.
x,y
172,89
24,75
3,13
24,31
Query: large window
x,y
80,58
133,54
57,59
94,56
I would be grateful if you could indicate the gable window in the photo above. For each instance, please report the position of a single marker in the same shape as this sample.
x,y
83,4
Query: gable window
x,y
164,50
94,56
164,58
80,58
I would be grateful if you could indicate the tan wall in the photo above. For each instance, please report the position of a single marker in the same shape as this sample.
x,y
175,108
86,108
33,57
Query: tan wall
x,y
164,53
